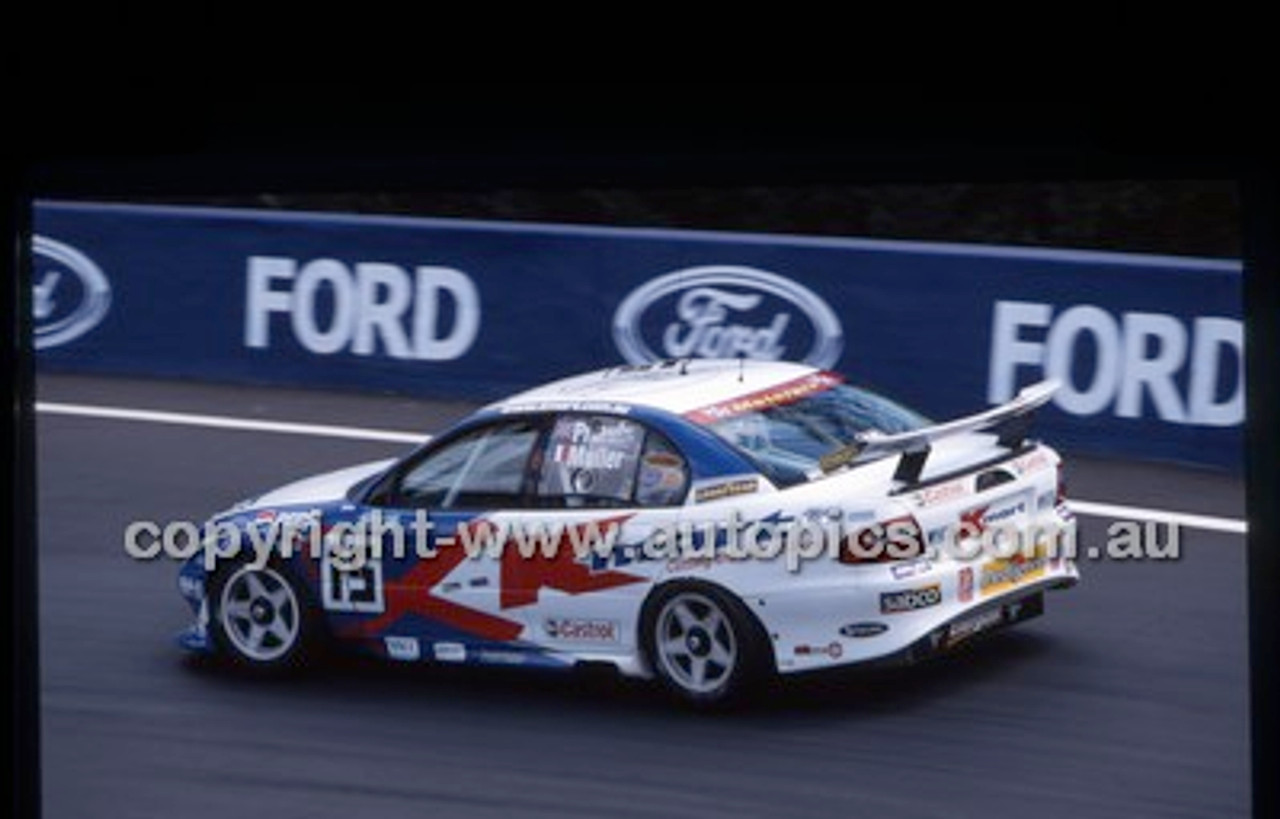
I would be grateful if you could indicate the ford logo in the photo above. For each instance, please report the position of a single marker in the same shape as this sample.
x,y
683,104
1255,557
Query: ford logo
x,y
70,294
723,311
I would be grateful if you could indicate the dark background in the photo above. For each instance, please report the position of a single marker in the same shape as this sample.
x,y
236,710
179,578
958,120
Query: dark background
x,y
1182,217
1077,168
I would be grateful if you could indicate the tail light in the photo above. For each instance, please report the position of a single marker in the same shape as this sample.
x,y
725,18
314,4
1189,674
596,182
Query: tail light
x,y
886,541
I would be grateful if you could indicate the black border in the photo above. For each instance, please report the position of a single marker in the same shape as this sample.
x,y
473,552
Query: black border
x,y
113,136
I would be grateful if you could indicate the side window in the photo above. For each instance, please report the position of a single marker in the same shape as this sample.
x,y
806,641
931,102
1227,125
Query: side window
x,y
605,461
483,469
590,460
663,479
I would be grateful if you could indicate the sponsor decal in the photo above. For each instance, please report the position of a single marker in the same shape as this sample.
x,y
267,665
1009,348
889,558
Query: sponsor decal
x,y
70,293
961,630
402,648
583,631
298,519
662,475
663,460
913,568
1030,463
723,311
1005,513
289,526
1005,573
618,556
964,586
910,599
717,491
864,630
839,457
833,650
449,652
975,522
607,407
942,492
784,393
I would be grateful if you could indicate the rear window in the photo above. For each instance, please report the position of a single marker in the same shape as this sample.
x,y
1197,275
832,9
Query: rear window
x,y
786,429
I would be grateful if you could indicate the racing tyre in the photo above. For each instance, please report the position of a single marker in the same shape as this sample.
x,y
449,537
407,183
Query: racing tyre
x,y
704,645
261,619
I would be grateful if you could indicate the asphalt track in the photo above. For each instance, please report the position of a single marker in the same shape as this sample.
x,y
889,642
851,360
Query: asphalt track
x,y
1128,698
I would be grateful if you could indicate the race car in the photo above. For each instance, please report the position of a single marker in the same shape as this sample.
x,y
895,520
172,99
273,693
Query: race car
x,y
708,523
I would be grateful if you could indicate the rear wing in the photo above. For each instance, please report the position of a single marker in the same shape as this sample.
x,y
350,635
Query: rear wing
x,y
1010,421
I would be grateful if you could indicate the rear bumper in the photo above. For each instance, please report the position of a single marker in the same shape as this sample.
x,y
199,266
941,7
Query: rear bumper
x,y
845,621
972,625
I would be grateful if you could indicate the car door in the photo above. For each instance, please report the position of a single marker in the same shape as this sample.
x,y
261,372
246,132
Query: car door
x,y
442,599
602,486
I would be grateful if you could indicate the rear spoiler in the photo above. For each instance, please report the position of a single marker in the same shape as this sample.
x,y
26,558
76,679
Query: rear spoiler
x,y
1011,422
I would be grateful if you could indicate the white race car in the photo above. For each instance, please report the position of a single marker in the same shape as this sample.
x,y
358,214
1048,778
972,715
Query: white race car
x,y
708,523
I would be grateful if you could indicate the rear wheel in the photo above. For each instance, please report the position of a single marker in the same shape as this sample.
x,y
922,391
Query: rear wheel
x,y
260,618
704,645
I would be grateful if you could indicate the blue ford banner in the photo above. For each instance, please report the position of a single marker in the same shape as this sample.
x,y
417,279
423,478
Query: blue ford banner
x,y
1149,348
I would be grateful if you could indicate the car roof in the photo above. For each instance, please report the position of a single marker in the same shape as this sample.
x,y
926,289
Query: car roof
x,y
678,386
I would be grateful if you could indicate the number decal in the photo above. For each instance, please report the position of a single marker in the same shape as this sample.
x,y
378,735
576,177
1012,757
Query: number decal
x,y
351,589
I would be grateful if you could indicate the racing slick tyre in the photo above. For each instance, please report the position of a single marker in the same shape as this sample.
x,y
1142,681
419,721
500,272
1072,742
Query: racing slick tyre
x,y
704,645
262,620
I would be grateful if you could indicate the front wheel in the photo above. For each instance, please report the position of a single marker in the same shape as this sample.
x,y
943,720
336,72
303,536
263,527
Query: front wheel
x,y
260,619
704,645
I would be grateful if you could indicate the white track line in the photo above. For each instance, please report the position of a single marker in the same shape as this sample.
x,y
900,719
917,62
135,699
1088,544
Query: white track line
x,y
227,422
1082,507
1111,510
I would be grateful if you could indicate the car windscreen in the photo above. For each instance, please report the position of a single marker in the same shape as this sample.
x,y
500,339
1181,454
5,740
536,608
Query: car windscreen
x,y
787,430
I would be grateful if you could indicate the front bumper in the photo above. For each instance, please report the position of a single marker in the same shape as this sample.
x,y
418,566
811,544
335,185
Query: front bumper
x,y
191,585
